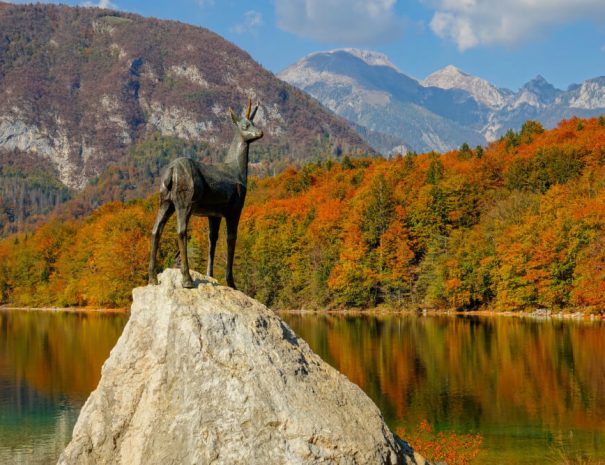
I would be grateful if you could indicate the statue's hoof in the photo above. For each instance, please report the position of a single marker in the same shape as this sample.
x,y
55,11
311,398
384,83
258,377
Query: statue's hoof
x,y
188,283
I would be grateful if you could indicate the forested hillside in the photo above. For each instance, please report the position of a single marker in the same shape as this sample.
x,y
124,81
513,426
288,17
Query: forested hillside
x,y
515,226
83,89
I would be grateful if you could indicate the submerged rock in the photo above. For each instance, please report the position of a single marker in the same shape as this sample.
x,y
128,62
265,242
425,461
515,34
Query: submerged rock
x,y
211,376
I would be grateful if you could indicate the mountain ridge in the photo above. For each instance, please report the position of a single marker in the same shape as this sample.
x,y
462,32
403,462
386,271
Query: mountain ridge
x,y
383,99
443,110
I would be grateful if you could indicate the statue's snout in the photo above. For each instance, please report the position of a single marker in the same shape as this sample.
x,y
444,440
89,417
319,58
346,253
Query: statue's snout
x,y
257,134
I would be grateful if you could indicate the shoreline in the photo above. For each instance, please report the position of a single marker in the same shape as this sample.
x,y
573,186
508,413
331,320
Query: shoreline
x,y
378,311
537,314
64,309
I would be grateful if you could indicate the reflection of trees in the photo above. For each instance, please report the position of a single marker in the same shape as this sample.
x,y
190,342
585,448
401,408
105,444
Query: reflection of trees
x,y
57,354
469,372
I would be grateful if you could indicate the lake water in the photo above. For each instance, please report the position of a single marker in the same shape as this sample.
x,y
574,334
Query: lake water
x,y
49,364
534,389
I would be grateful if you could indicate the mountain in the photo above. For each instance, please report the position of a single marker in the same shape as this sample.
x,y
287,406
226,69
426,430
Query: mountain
x,y
481,90
539,100
590,95
368,90
542,92
441,112
80,86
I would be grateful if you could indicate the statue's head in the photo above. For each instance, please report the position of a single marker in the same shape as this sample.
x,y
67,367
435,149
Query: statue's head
x,y
245,124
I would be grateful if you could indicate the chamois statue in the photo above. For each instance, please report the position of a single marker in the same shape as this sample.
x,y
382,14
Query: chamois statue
x,y
213,190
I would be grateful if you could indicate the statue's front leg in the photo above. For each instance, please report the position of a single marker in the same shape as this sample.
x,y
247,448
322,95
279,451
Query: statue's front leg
x,y
232,223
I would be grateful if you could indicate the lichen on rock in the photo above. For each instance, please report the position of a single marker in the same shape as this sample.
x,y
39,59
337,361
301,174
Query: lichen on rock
x,y
211,376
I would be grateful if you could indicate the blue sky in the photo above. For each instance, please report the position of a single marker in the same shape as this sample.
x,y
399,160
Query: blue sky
x,y
506,41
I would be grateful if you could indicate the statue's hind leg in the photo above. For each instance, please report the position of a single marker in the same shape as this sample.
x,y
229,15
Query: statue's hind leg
x,y
182,218
165,211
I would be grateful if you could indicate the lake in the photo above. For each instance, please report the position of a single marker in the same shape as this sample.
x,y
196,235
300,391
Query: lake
x,y
49,364
534,389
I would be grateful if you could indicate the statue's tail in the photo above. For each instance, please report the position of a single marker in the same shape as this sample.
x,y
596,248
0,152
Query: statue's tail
x,y
177,183
166,183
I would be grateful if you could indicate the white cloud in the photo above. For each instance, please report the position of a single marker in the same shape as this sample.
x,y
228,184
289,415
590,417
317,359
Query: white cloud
x,y
342,21
252,21
470,23
102,4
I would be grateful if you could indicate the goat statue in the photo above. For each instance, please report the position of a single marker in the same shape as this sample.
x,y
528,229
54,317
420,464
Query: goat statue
x,y
213,190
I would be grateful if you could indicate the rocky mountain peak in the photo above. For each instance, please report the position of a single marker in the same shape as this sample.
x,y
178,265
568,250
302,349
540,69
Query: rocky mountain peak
x,y
339,66
450,70
370,57
539,80
544,91
590,95
481,90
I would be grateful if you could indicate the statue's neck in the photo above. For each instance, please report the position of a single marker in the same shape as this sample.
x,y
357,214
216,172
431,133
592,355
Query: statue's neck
x,y
238,157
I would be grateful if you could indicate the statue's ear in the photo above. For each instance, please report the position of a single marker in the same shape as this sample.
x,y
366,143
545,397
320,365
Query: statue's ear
x,y
254,112
233,116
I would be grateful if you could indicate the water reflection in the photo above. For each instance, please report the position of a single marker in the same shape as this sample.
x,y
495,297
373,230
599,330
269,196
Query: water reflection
x,y
49,364
528,386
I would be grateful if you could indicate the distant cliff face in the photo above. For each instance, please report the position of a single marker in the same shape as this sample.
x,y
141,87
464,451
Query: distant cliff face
x,y
441,112
78,86
210,376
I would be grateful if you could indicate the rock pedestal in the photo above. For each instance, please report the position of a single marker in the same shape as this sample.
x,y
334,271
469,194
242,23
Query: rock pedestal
x,y
211,376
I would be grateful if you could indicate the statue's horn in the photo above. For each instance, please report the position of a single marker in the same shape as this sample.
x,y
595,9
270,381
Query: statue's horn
x,y
254,112
249,108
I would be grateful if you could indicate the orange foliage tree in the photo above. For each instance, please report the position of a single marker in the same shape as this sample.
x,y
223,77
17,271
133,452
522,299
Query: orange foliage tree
x,y
513,226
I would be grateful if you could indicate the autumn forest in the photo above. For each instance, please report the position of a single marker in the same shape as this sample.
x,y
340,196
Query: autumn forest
x,y
516,226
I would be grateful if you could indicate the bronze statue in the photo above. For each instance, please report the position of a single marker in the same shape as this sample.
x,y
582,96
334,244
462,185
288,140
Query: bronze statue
x,y
216,191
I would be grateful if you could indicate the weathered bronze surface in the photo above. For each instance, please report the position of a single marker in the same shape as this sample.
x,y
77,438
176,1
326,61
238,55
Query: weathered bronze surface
x,y
213,190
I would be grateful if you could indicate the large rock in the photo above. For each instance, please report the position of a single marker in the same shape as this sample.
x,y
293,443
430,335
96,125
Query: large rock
x,y
211,376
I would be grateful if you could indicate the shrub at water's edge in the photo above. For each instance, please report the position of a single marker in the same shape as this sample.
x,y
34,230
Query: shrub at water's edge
x,y
450,448
514,226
